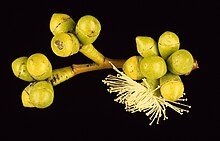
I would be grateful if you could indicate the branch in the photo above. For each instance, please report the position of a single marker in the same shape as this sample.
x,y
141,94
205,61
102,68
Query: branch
x,y
62,74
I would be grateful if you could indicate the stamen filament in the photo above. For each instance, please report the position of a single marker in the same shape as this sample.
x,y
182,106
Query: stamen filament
x,y
140,98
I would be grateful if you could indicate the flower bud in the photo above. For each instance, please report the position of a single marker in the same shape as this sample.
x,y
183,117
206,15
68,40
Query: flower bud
x,y
61,23
65,44
39,66
42,94
168,43
153,67
87,29
146,46
171,87
25,98
131,67
180,62
19,68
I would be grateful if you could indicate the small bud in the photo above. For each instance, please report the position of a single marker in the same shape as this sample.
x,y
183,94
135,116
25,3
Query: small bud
x,y
171,87
146,46
131,67
87,29
168,43
61,23
153,67
41,94
65,44
39,66
25,98
180,62
19,68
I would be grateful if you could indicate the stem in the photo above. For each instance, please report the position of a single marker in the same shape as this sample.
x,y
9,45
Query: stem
x,y
63,74
81,68
195,66
92,53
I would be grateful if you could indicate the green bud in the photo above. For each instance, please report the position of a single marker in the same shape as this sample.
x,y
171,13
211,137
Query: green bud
x,y
25,98
131,67
39,66
146,46
61,23
171,87
168,43
180,62
87,29
41,94
153,67
65,44
19,68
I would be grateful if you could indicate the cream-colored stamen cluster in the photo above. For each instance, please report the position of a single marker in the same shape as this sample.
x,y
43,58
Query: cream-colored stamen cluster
x,y
140,98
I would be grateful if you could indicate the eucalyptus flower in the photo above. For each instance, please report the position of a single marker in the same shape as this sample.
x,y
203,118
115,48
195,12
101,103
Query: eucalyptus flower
x,y
139,97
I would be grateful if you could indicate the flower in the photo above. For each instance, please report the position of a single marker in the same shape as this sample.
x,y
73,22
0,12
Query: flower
x,y
139,97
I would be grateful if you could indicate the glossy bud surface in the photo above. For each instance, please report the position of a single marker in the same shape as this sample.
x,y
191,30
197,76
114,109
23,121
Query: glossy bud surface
x,y
65,44
168,43
19,68
39,66
42,94
180,62
25,98
153,67
146,46
131,67
87,29
172,87
61,23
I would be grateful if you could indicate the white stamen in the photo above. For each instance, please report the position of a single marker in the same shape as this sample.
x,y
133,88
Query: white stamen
x,y
139,98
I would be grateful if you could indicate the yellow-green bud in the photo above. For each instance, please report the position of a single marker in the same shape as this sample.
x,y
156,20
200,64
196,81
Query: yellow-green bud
x,y
131,67
146,46
41,94
61,23
168,43
180,62
87,29
153,67
25,98
171,87
39,66
19,68
65,44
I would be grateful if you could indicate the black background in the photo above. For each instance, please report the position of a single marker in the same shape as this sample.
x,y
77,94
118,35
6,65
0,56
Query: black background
x,y
82,108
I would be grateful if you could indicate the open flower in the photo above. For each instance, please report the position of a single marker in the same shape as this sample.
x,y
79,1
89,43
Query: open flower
x,y
139,97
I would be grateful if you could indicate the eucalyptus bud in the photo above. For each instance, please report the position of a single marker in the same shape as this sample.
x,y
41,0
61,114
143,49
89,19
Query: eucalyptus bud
x,y
146,46
153,67
65,44
61,23
25,97
39,66
131,67
19,68
168,43
41,94
171,87
87,29
180,62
